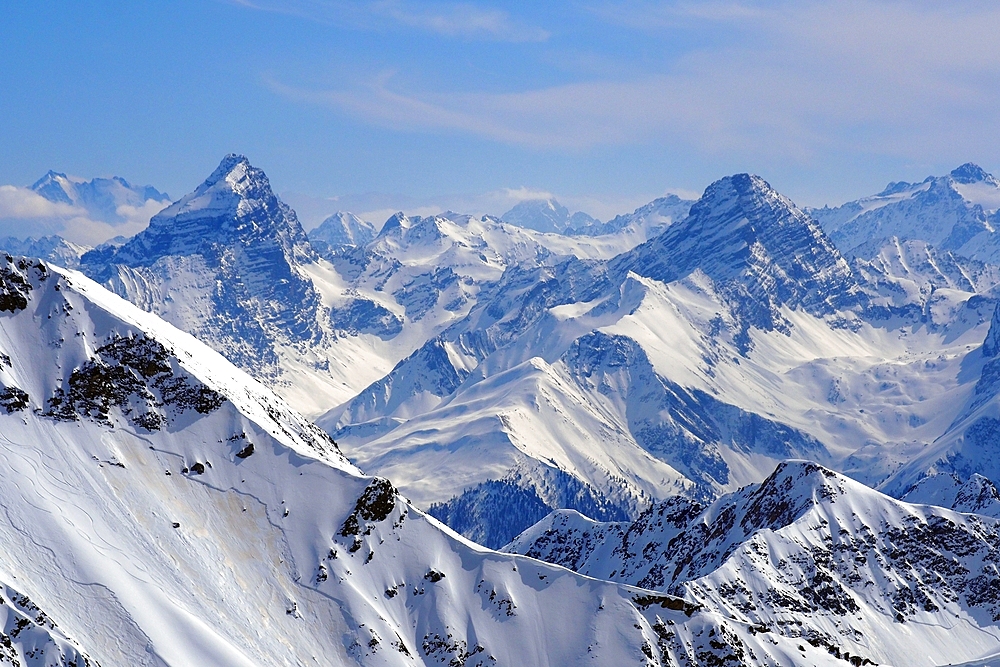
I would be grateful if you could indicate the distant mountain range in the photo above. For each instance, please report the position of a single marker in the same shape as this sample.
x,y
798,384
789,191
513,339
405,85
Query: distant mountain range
x,y
101,197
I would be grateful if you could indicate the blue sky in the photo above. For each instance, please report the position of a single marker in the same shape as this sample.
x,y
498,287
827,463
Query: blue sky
x,y
603,104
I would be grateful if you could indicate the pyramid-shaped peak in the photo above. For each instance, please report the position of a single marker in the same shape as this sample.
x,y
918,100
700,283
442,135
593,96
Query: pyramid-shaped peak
x,y
748,189
234,206
760,251
396,221
49,176
799,473
237,173
970,173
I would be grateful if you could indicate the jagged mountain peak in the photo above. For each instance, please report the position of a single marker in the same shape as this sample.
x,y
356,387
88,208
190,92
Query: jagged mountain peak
x,y
952,212
234,207
233,182
738,221
969,173
745,200
51,181
245,249
343,229
396,221
547,215
102,198
228,165
794,487
760,250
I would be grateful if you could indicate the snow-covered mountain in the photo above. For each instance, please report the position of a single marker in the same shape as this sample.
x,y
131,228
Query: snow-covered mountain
x,y
645,222
495,373
808,555
53,249
224,260
106,199
230,263
967,451
547,215
163,508
342,229
953,213
691,364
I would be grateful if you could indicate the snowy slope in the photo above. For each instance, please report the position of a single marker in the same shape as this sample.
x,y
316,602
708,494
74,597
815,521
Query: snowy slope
x,y
163,508
811,555
952,213
967,450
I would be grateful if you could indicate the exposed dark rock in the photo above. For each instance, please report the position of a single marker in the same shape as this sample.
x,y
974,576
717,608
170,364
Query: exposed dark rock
x,y
134,374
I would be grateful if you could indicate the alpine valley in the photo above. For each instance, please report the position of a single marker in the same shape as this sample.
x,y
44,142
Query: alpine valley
x,y
728,431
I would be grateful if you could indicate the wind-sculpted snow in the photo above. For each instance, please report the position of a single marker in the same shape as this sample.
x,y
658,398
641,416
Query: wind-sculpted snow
x,y
238,535
810,555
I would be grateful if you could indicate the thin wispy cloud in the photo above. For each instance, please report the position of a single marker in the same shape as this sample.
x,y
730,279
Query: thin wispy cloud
x,y
797,79
460,20
18,202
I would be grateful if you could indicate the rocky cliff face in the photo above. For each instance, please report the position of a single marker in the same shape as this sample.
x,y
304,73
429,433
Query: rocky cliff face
x,y
223,262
